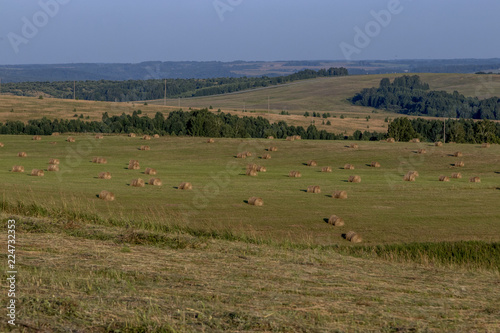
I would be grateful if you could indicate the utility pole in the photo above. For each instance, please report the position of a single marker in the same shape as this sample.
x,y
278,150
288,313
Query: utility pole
x,y
165,95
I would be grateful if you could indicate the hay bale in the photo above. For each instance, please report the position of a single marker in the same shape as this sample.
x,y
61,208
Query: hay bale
x,y
354,179
353,237
336,221
290,138
55,134
415,173
313,189
458,154
261,168
297,137
339,195
155,182
294,174
422,151
444,178
312,163
460,164
185,186
409,177
134,165
456,175
37,173
146,137
415,140
266,156
348,167
251,172
255,201
145,148
139,182
70,139
252,166
241,155
17,168
354,146
270,137
106,196
210,141
99,136
326,169
53,167
131,135
375,165
1,145
272,148
156,136
438,144
22,154
249,154
100,160
54,161
391,140
150,171
37,138
485,145
105,175
474,179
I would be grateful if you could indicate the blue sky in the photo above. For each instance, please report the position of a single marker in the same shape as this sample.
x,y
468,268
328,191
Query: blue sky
x,y
72,31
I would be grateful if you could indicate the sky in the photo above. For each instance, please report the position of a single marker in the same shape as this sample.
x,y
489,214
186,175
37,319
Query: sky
x,y
132,31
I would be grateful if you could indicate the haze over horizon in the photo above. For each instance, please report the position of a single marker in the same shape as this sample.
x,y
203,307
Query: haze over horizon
x,y
65,31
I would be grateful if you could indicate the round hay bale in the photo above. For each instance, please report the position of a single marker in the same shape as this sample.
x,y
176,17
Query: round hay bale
x,y
266,156
460,164
99,136
145,148
444,178
255,201
415,140
241,155
252,166
348,167
17,168
297,137
474,179
37,173
133,165
137,182
353,237
101,160
375,165
422,151
210,141
313,189
294,174
261,168
1,145
270,137
155,182
185,186
336,221
70,139
290,138
409,177
105,175
55,134
415,173
249,154
22,154
272,148
106,195
53,167
37,138
391,140
458,154
438,144
456,175
54,161
150,171
339,195
251,172
146,137
354,179
354,146
326,169
312,163
131,135
485,145
156,136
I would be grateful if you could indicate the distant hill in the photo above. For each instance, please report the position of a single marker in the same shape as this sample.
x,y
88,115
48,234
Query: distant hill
x,y
213,69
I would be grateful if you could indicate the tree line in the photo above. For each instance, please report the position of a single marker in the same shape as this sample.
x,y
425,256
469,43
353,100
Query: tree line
x,y
409,95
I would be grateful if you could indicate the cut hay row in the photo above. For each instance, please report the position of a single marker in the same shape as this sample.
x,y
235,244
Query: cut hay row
x,y
456,175
391,140
99,160
70,139
155,182
146,137
255,201
438,144
422,151
312,163
131,135
458,154
17,168
37,138
150,171
353,237
22,154
53,167
134,165
106,195
210,141
326,169
375,165
105,175
475,180
99,136
460,164
313,189
272,149
266,156
348,167
415,140
54,161
336,221
145,148
354,179
444,178
185,186
139,182
294,174
485,145
37,173
339,195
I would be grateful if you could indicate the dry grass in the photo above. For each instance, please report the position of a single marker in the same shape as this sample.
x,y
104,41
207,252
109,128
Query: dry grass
x,y
348,167
53,167
37,138
155,182
22,154
273,148
150,171
266,156
17,168
460,164
456,175
185,186
314,189
37,173
106,196
294,174
105,175
70,139
255,201
336,221
145,148
354,179
54,161
326,169
210,141
139,182
391,140
375,165
353,237
312,163
474,179
444,178
339,195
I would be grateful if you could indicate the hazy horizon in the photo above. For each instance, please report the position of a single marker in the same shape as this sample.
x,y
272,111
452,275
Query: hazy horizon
x,y
68,32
